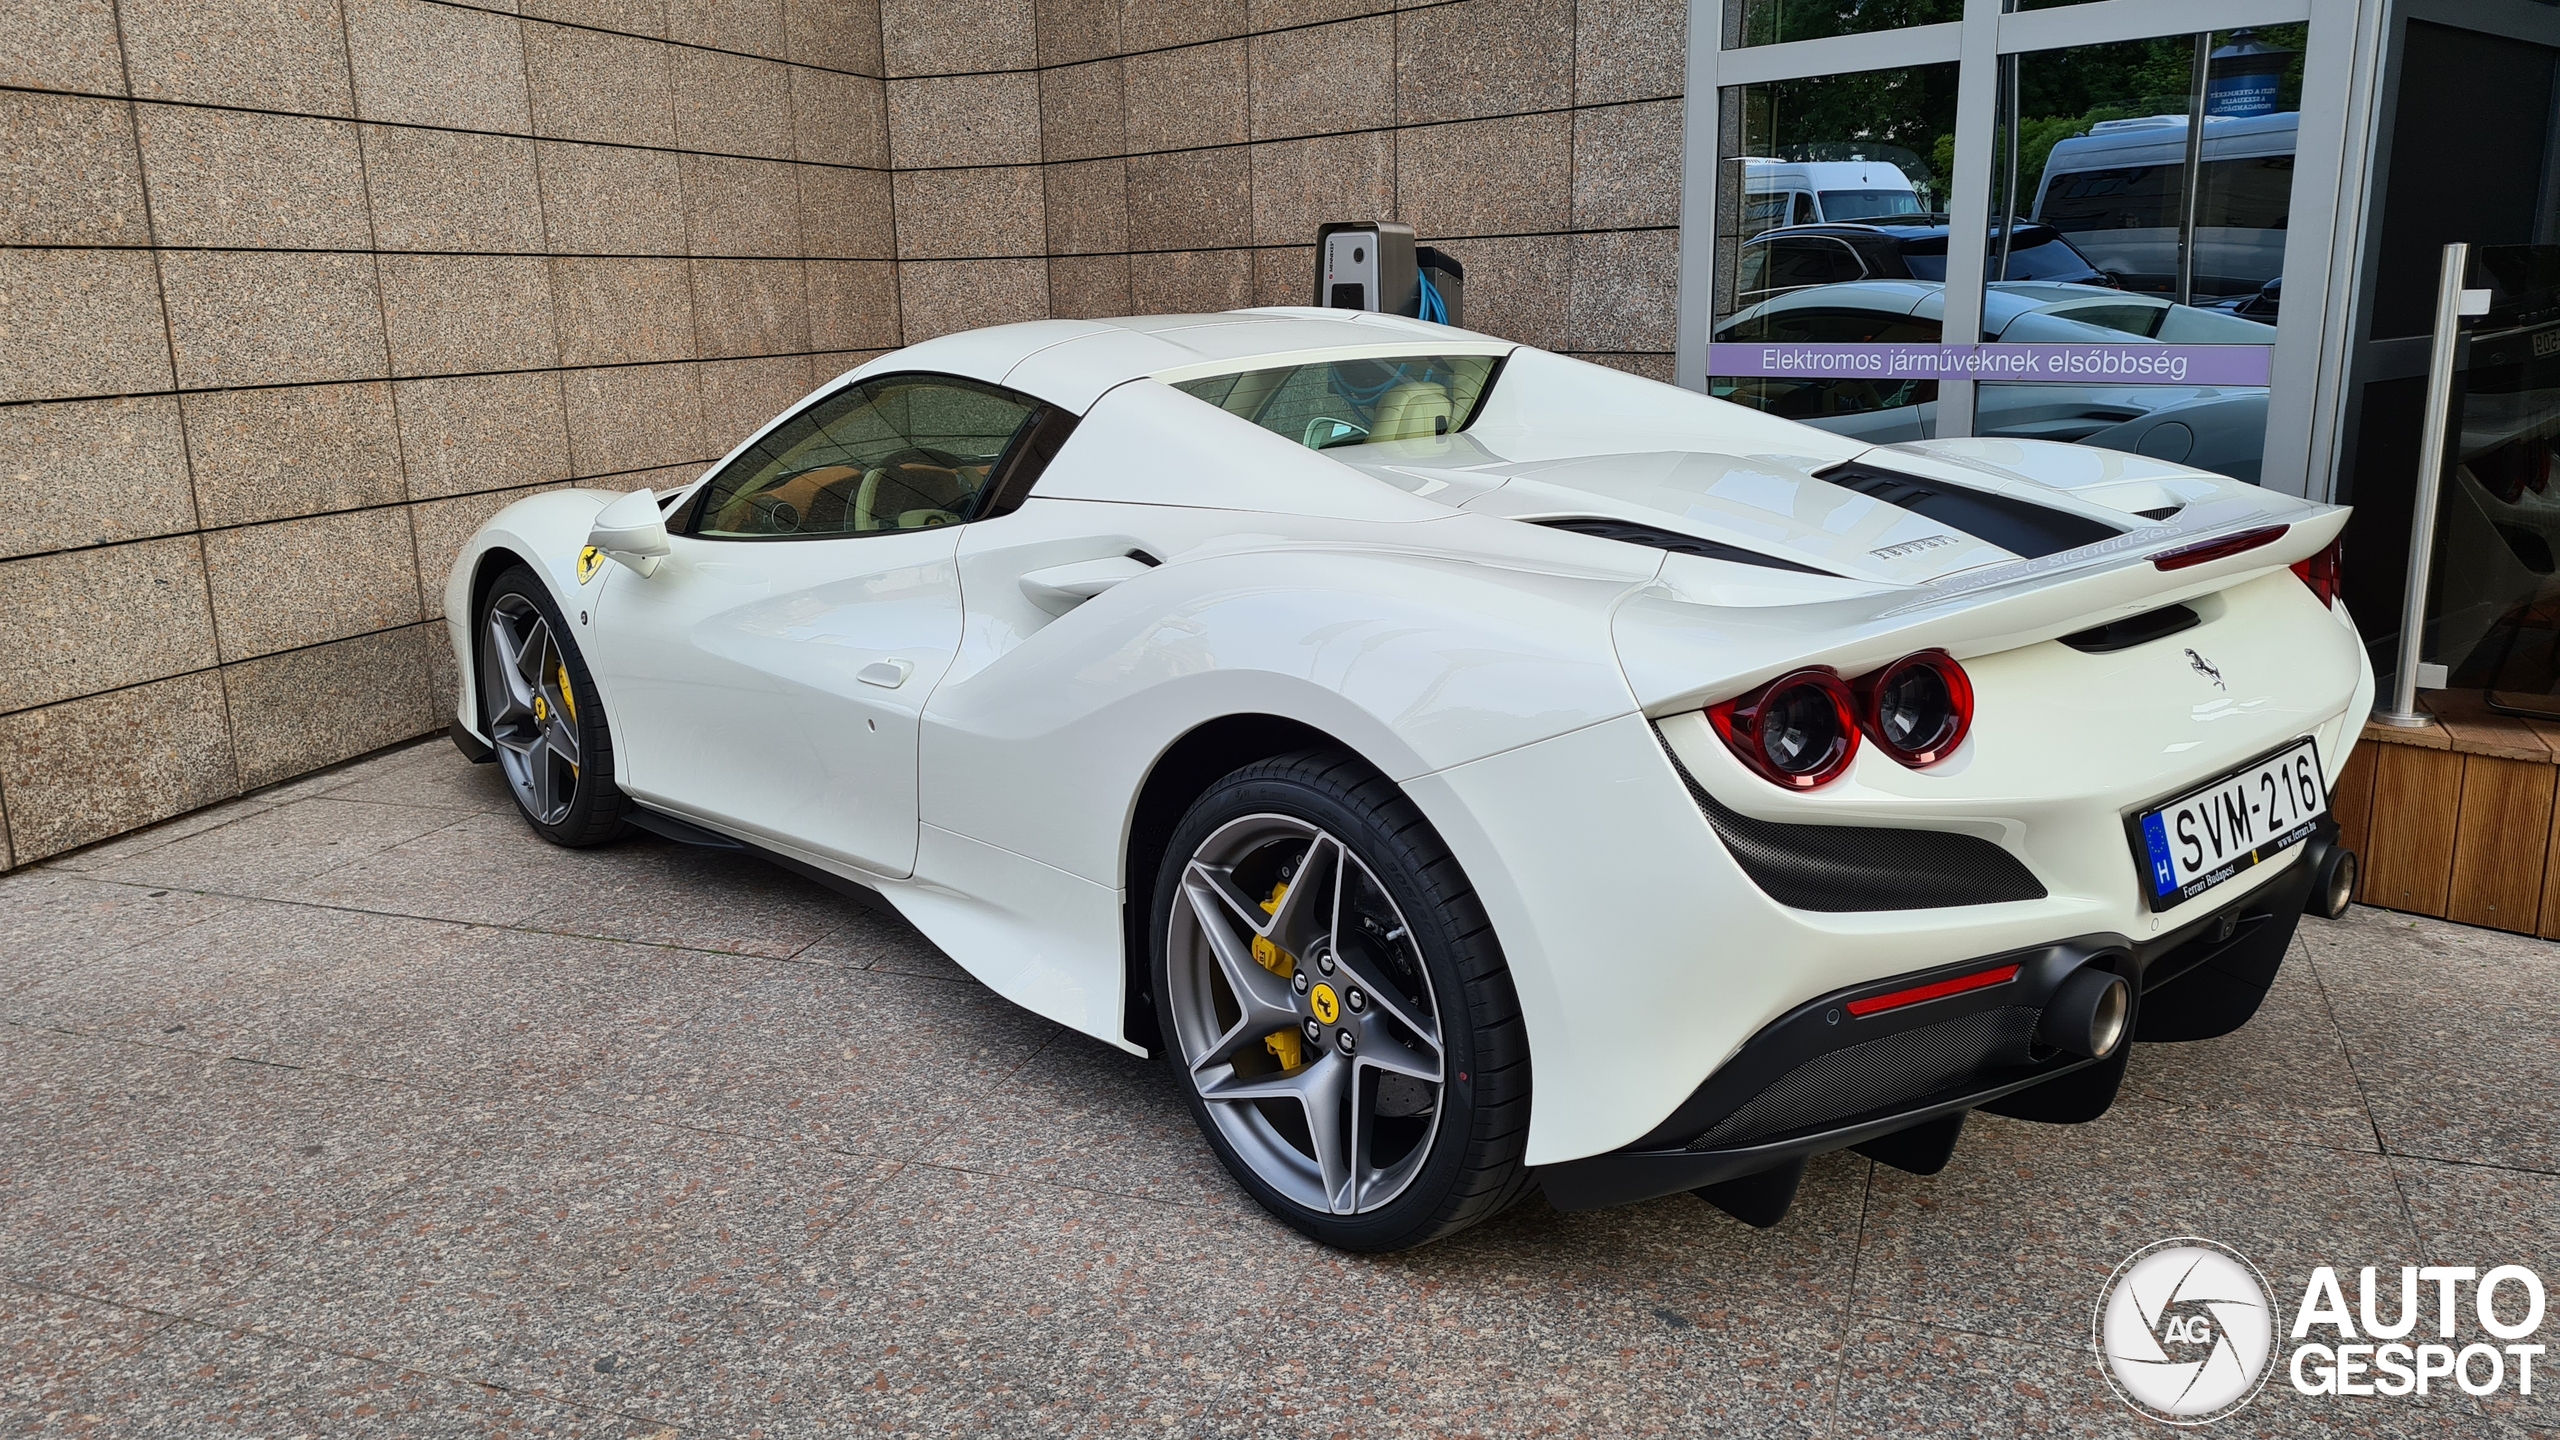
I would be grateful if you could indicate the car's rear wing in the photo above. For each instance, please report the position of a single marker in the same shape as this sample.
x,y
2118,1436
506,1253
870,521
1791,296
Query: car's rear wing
x,y
1680,654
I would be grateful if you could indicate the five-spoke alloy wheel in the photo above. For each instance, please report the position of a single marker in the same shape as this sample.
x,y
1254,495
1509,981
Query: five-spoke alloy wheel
x,y
543,716
1343,1023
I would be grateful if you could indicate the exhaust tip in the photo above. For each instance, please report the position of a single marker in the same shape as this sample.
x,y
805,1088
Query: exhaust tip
x,y
2088,1014
2333,885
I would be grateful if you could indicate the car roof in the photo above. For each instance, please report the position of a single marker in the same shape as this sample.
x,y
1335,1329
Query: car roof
x,y
2002,300
1888,230
1071,363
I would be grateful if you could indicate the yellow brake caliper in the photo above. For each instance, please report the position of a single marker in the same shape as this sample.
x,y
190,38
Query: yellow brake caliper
x,y
568,700
1284,1045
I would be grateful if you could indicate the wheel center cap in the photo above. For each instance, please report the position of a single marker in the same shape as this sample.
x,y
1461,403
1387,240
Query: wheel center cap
x,y
541,709
1324,1004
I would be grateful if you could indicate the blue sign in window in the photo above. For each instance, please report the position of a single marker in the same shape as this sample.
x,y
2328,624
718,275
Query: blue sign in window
x,y
2241,94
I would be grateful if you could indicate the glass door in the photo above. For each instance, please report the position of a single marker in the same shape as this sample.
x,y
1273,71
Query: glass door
x,y
2142,192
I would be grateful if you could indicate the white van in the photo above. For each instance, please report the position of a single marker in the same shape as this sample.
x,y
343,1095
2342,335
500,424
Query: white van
x,y
2117,194
1814,192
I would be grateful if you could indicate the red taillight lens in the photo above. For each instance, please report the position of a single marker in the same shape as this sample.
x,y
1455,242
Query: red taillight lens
x,y
2206,551
1798,730
2320,572
1919,707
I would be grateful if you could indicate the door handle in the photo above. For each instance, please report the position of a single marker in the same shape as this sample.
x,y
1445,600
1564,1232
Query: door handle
x,y
887,674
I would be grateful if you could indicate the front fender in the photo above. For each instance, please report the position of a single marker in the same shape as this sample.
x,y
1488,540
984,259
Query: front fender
x,y
544,531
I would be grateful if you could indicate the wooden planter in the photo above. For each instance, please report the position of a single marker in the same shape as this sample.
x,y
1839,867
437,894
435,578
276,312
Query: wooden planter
x,y
2456,820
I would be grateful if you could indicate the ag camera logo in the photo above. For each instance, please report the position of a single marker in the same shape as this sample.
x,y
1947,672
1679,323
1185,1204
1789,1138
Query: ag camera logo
x,y
2185,1330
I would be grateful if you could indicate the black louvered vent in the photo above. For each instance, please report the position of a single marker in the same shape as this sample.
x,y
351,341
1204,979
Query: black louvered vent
x,y
1672,540
1840,868
2134,630
2020,527
1845,1085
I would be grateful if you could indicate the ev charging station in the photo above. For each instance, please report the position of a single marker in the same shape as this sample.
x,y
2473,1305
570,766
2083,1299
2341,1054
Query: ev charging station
x,y
1374,265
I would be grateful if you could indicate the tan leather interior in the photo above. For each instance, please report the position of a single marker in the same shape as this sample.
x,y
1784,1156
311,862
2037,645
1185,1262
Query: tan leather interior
x,y
1412,411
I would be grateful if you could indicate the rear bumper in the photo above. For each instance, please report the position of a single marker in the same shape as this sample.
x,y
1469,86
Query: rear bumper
x,y
1821,1078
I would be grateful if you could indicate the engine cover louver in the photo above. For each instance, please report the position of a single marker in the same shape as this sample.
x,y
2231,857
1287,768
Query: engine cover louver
x,y
2020,527
1843,868
1632,533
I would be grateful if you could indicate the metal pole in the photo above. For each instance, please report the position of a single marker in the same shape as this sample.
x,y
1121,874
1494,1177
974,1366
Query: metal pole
x,y
2422,518
2195,169
2009,186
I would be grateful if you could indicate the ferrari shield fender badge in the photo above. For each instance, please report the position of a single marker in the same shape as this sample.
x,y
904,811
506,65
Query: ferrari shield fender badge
x,y
2204,667
591,560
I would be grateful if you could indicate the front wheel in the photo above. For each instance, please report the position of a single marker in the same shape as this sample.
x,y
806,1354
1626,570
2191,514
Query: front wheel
x,y
1338,1009
545,719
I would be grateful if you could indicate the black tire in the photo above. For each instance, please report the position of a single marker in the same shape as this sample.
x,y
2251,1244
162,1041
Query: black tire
x,y
1472,1165
537,768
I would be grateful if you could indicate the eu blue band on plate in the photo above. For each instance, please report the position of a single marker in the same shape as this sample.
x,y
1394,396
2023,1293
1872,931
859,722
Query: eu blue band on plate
x,y
2164,876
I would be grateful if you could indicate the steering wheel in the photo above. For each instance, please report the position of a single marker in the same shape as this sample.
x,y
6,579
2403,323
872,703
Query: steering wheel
x,y
921,471
788,501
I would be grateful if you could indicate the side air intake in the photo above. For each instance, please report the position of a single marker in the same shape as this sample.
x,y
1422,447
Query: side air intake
x,y
1843,868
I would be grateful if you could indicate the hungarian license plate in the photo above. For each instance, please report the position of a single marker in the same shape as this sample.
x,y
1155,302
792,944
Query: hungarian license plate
x,y
2215,831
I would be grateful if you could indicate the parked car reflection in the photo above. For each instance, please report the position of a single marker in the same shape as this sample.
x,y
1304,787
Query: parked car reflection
x,y
1799,256
2118,192
2214,427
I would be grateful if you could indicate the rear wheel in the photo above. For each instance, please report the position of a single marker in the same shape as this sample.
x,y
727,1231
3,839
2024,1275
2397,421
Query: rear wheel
x,y
1337,1007
545,719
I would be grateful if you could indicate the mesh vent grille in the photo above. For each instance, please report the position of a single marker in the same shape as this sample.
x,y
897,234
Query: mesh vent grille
x,y
1839,868
1881,1074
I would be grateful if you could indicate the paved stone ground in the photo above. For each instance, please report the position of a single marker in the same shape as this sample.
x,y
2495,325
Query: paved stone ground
x,y
352,1108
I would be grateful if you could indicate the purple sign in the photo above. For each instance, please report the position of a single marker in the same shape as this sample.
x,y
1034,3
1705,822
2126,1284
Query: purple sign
x,y
2108,364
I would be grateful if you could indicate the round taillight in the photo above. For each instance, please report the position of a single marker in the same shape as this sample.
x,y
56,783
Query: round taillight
x,y
1798,730
1919,707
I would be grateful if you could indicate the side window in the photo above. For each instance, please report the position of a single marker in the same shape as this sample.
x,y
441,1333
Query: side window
x,y
2132,198
1751,276
1355,402
1798,261
1805,213
902,452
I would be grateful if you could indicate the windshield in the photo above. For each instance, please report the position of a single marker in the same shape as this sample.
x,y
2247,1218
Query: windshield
x,y
1355,402
1868,204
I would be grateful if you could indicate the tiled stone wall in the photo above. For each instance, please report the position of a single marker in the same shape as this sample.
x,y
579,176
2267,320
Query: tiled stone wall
x,y
294,292
1105,157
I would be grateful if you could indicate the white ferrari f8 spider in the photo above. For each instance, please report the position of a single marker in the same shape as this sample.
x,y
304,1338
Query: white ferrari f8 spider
x,y
1468,767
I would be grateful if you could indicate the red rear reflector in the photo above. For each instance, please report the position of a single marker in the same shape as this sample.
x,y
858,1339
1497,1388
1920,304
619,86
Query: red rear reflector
x,y
2211,550
1981,980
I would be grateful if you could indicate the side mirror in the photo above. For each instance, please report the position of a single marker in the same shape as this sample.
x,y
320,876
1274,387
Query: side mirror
x,y
632,530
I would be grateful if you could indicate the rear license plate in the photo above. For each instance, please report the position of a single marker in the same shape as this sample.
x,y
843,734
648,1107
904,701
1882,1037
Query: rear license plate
x,y
2217,830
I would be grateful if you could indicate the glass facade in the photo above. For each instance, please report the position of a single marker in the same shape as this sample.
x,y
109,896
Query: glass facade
x,y
2137,195
1831,196
1772,22
2165,167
